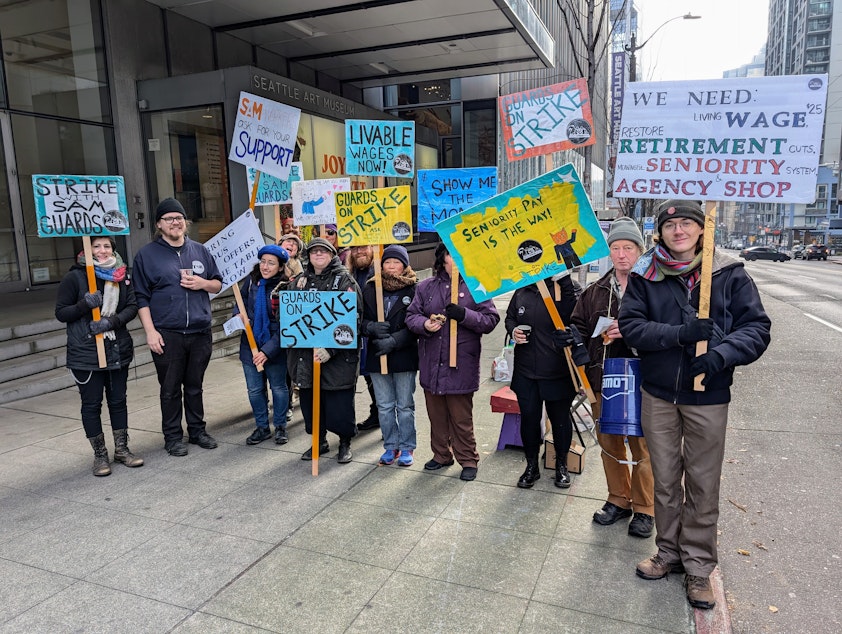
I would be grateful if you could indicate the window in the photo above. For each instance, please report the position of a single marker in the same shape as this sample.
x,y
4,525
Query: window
x,y
480,133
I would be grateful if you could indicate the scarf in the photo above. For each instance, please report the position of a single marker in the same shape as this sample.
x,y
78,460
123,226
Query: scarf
x,y
111,270
658,264
397,282
261,314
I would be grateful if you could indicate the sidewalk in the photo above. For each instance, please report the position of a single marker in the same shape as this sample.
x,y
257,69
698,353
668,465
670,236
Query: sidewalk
x,y
243,538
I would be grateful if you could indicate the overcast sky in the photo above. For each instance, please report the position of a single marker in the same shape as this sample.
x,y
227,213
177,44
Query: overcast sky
x,y
728,35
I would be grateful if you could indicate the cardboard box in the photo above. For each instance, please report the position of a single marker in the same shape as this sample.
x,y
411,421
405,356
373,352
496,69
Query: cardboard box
x,y
505,401
575,457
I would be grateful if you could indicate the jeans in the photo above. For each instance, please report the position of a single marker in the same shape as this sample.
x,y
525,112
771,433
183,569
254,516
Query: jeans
x,y
183,362
275,372
396,409
91,385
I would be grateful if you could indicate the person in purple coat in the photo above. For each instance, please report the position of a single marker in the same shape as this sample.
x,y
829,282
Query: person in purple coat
x,y
449,392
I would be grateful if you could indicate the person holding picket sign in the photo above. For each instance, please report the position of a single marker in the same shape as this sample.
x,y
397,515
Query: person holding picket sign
x,y
260,297
391,338
339,367
541,377
118,306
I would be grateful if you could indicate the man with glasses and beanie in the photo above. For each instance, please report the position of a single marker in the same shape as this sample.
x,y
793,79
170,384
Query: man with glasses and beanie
x,y
685,428
172,277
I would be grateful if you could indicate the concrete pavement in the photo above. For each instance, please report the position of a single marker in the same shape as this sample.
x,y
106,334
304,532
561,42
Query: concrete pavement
x,y
243,538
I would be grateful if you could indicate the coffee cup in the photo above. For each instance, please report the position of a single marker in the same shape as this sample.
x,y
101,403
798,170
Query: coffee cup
x,y
526,330
186,272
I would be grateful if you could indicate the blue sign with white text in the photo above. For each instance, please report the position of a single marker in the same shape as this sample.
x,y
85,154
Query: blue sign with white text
x,y
318,319
446,192
380,148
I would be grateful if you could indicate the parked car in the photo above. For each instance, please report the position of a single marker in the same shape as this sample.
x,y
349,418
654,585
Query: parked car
x,y
798,251
764,253
815,252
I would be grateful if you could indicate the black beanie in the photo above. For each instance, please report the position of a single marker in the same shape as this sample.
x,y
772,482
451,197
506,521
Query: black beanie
x,y
167,205
690,209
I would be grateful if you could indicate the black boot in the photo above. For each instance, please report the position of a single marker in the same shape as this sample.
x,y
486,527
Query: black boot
x,y
101,466
344,456
532,473
121,449
562,476
323,446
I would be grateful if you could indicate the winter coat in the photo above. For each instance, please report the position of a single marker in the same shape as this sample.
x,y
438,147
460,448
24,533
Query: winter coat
x,y
271,348
81,344
157,279
651,317
436,375
539,358
593,304
404,358
341,370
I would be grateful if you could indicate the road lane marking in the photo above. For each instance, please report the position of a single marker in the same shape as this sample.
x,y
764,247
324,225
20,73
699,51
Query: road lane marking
x,y
822,321
805,277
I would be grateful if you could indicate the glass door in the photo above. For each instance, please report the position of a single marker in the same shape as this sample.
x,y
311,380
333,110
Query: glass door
x,y
13,276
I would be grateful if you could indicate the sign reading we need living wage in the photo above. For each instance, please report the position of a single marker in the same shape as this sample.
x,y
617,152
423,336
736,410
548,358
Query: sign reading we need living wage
x,y
235,249
752,138
528,233
374,216
318,319
273,190
444,193
73,206
380,148
313,201
264,135
546,120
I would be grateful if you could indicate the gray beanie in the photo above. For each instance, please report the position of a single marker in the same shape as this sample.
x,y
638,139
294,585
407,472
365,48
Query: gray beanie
x,y
324,244
680,209
625,228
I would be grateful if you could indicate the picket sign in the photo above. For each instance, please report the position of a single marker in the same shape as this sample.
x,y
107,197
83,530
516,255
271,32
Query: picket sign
x,y
705,283
89,271
454,299
238,296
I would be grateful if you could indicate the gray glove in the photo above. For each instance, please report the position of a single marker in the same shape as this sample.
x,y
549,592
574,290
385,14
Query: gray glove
x,y
377,329
103,325
321,354
93,300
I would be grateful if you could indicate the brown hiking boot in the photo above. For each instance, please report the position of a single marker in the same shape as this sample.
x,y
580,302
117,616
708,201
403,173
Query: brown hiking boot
x,y
657,568
699,592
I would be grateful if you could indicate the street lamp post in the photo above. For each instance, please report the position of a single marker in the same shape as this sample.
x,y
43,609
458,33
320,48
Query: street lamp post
x,y
633,46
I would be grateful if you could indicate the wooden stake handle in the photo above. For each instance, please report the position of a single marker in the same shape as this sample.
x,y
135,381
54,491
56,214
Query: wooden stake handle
x,y
253,199
705,283
378,293
238,297
95,313
317,413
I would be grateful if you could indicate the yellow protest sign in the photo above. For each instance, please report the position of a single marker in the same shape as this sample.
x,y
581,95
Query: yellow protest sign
x,y
374,216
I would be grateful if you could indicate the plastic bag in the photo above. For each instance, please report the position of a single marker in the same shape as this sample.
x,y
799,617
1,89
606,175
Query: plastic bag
x,y
503,364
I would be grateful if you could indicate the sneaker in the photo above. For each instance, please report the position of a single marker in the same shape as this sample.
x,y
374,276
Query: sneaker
x,y
289,415
699,592
405,459
433,465
281,437
657,568
258,436
204,440
389,456
642,525
323,449
468,474
176,448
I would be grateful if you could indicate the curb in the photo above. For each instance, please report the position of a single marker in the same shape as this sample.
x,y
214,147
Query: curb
x,y
717,620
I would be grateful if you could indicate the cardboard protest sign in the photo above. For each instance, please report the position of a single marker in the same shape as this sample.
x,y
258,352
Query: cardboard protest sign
x,y
272,190
374,216
751,138
313,201
318,319
446,192
546,120
68,206
380,148
264,135
528,233
235,249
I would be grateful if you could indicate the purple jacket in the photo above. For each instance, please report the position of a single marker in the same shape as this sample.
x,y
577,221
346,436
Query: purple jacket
x,y
436,375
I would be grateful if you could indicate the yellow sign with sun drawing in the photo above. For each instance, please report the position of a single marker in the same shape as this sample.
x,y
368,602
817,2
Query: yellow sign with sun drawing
x,y
528,233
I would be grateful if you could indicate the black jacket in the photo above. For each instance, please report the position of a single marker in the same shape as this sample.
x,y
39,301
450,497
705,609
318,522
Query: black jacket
x,y
341,370
72,310
652,315
404,358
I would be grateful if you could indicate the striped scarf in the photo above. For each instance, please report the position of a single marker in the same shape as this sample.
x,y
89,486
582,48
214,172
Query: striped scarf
x,y
658,264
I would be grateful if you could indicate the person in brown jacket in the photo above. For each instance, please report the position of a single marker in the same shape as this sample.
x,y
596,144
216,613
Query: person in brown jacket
x,y
628,492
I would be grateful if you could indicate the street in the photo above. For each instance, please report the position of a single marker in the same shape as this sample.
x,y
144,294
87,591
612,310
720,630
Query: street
x,y
779,513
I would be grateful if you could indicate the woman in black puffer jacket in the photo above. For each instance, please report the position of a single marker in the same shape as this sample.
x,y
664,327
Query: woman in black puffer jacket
x,y
116,301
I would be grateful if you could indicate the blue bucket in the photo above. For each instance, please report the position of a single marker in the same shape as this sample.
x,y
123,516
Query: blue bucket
x,y
621,398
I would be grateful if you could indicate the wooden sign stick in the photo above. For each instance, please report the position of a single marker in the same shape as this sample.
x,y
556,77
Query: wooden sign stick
x,y
454,299
317,413
89,270
253,199
579,371
238,296
378,294
278,224
705,282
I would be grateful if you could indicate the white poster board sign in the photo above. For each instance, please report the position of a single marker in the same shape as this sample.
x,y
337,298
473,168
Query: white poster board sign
x,y
235,249
264,135
744,139
313,202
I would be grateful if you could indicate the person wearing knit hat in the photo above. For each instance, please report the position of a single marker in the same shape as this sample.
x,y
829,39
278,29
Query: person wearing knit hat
x,y
293,245
630,494
690,209
321,243
398,252
169,205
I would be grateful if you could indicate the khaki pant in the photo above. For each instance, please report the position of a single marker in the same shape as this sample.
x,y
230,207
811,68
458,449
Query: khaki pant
x,y
686,442
627,489
452,428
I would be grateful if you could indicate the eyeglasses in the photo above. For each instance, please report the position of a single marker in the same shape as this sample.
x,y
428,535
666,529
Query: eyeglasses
x,y
672,225
173,219
330,232
318,251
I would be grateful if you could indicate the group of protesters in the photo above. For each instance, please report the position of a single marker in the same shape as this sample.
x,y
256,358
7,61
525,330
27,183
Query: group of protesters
x,y
651,301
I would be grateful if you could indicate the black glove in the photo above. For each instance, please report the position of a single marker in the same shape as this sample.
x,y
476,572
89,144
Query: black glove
x,y
103,325
562,338
377,329
578,351
93,300
708,364
696,330
455,311
383,346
